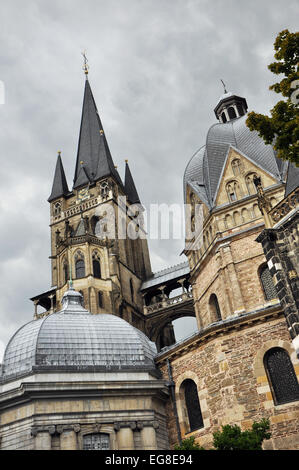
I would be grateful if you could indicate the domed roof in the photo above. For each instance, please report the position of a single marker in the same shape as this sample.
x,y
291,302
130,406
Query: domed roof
x,y
204,170
76,340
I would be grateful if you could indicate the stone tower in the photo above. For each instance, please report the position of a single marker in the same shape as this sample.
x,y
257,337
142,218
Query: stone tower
x,y
92,226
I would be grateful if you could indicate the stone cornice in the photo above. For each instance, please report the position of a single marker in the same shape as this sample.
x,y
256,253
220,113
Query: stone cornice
x,y
29,391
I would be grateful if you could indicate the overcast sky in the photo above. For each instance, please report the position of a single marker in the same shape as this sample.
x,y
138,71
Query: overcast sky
x,y
155,70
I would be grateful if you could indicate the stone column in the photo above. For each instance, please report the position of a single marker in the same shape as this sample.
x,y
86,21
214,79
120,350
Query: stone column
x,y
68,437
148,434
35,308
43,437
125,438
52,303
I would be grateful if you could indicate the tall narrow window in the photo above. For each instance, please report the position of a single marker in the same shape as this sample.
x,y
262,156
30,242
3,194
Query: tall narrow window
x,y
79,265
100,299
65,271
214,308
267,283
231,189
96,265
98,441
132,290
192,405
57,209
223,117
236,166
281,376
231,112
240,109
250,184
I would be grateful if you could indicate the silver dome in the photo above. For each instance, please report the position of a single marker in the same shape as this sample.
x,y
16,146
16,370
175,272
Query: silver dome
x,y
204,170
76,340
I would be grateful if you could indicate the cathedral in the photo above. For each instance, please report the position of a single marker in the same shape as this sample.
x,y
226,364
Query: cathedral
x,y
99,368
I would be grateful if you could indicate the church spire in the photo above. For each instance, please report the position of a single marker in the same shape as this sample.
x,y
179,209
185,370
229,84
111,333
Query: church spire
x,y
130,188
93,148
60,187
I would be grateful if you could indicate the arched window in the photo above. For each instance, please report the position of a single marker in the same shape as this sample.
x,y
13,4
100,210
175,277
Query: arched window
x,y
214,308
281,376
57,208
240,109
192,405
65,268
231,189
231,112
79,265
267,283
100,299
236,166
96,265
250,184
132,290
99,441
223,117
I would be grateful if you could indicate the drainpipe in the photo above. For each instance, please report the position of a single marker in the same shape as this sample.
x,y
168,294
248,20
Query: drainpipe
x,y
172,394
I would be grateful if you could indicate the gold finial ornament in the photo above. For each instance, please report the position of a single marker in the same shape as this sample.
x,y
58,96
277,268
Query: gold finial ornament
x,y
81,163
115,166
59,152
85,65
101,131
126,161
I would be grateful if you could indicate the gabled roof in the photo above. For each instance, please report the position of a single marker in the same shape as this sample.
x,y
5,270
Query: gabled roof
x,y
60,187
93,148
130,188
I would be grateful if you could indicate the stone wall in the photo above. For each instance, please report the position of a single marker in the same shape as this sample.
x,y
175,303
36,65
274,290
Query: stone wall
x,y
232,383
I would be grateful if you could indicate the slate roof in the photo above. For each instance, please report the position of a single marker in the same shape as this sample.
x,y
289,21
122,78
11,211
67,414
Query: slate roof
x,y
204,170
130,187
292,178
93,149
168,274
60,187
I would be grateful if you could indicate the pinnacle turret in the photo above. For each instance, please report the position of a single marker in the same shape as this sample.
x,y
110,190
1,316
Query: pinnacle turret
x,y
60,187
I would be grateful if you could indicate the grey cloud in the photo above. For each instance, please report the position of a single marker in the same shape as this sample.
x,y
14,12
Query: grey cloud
x,y
155,69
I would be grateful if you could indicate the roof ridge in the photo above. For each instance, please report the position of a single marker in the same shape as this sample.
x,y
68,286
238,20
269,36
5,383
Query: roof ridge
x,y
171,267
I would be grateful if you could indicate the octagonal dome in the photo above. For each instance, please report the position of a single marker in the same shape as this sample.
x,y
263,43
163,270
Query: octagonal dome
x,y
76,340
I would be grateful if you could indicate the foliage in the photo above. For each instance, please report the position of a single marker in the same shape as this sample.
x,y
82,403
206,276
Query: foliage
x,y
188,444
282,128
232,438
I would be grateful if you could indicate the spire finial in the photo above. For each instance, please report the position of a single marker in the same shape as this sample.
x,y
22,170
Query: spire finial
x,y
126,161
225,90
85,65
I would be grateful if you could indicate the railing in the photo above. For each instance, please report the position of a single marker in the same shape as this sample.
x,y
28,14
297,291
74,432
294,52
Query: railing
x,y
285,206
168,302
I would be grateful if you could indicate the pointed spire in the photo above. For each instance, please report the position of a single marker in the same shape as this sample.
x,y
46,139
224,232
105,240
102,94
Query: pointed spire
x,y
130,188
93,147
60,187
